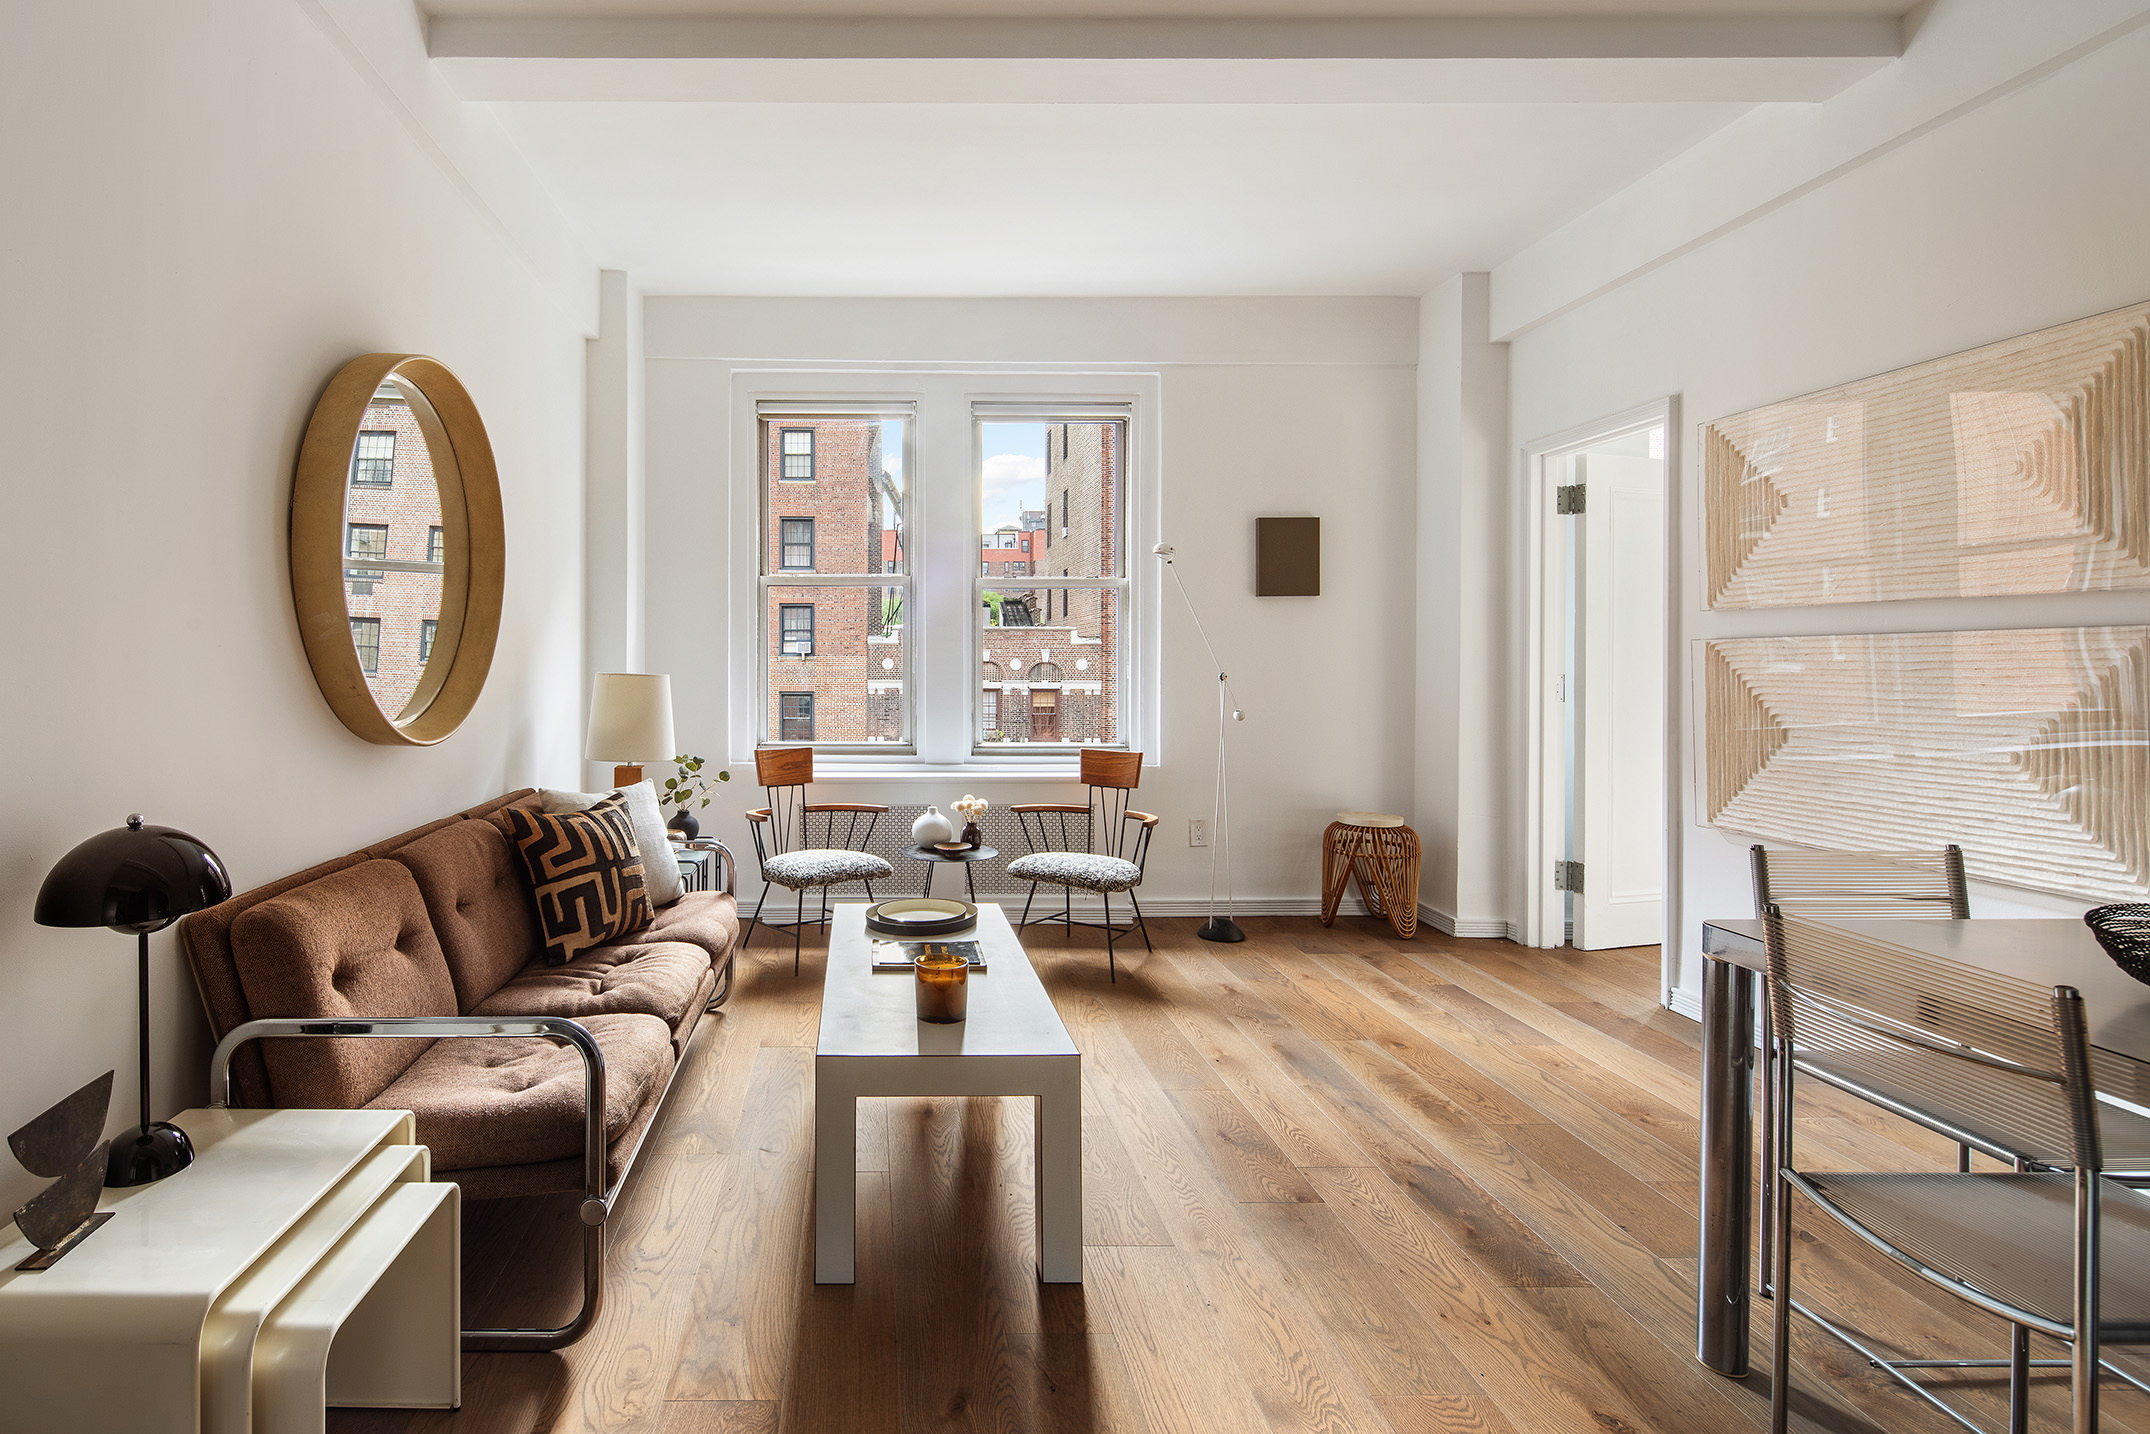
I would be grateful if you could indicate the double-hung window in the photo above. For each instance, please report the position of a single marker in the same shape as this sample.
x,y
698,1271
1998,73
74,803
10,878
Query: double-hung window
x,y
1063,641
373,459
833,574
984,650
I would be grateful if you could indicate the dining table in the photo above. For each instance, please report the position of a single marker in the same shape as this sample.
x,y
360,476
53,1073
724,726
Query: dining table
x,y
2050,951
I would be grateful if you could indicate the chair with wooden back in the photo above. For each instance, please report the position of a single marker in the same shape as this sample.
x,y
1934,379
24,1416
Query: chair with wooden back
x,y
784,842
1114,843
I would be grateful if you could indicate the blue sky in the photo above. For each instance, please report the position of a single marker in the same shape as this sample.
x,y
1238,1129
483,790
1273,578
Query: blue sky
x,y
1013,471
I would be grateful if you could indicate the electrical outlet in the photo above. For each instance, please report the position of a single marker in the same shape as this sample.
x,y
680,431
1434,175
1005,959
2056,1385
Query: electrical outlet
x,y
1197,831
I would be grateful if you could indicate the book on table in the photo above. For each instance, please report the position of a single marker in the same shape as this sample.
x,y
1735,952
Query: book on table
x,y
899,955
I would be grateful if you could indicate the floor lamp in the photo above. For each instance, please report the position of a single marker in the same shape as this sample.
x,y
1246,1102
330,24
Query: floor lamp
x,y
1217,928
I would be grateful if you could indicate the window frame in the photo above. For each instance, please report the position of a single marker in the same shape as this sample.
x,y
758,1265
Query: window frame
x,y
437,544
937,584
787,415
784,545
784,629
783,720
362,648
357,457
1134,734
428,634
784,454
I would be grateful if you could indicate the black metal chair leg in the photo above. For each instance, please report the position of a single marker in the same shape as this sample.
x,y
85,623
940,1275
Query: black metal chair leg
x,y
1026,906
824,922
1112,966
798,931
757,914
1142,925
1067,910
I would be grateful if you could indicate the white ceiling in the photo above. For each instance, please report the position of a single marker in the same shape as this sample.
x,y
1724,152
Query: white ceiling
x,y
1205,147
1117,9
947,200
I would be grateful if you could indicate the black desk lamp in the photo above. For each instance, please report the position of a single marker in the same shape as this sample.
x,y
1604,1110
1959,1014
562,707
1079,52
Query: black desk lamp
x,y
139,879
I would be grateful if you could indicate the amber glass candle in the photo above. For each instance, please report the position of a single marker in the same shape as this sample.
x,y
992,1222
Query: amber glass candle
x,y
943,987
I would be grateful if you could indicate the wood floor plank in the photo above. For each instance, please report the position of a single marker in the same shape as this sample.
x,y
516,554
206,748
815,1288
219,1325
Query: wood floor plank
x,y
1334,1181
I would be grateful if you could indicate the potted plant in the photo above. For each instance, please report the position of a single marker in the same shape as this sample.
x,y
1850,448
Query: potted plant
x,y
688,789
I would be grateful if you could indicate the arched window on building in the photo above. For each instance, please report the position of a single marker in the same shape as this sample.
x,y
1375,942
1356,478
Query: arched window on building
x,y
992,672
1045,672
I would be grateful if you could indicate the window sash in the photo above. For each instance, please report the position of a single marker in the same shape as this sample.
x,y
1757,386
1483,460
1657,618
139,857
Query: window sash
x,y
373,459
428,629
365,540
795,460
795,545
795,717
366,638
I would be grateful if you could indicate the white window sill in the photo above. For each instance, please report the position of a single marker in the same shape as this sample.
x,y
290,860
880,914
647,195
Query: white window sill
x,y
834,769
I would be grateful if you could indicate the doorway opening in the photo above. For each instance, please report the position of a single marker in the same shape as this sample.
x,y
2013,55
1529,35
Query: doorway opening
x,y
1600,501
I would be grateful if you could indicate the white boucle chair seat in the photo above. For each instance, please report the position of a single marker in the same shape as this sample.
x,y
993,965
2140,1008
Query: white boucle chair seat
x,y
824,866
1077,868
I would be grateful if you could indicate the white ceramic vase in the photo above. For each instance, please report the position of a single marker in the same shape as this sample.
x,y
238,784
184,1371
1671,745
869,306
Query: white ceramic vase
x,y
932,827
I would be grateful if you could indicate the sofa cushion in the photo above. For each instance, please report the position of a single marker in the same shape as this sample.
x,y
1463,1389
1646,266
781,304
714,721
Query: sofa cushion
x,y
586,873
518,1100
205,937
356,942
708,919
479,899
660,875
649,978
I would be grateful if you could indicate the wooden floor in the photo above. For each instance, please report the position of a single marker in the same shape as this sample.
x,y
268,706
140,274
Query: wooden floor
x,y
1333,1181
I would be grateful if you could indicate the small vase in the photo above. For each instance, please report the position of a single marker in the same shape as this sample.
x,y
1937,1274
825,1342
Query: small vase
x,y
932,828
686,823
972,837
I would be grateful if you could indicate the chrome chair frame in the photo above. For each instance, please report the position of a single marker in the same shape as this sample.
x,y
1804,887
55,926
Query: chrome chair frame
x,y
1977,1037
1848,898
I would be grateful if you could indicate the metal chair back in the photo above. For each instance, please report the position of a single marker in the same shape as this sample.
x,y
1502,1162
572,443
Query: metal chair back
x,y
1952,1035
1103,821
785,773
1853,884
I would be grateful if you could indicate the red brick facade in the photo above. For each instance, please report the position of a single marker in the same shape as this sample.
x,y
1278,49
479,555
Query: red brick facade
x,y
400,601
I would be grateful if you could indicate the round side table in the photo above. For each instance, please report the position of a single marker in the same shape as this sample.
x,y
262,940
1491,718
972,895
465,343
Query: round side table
x,y
1380,853
933,856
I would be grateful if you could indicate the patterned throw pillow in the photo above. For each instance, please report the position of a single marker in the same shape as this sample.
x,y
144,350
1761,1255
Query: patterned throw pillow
x,y
586,872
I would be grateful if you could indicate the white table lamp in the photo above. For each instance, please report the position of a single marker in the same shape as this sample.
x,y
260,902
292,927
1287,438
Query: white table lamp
x,y
630,722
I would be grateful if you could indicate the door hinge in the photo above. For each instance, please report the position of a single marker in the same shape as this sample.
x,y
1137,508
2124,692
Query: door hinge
x,y
1567,876
1568,499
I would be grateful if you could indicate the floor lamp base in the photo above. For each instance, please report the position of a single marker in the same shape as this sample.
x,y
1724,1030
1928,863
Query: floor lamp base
x,y
1221,928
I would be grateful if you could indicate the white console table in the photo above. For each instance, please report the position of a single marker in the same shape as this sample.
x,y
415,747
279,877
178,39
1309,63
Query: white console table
x,y
305,1259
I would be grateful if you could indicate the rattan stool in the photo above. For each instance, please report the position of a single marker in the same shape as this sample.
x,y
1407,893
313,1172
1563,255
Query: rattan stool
x,y
1378,851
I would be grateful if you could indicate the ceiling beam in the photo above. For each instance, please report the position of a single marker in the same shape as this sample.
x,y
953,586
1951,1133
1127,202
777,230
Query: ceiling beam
x,y
1731,59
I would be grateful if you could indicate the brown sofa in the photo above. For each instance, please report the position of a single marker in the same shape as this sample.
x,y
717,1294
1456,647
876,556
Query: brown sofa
x,y
413,966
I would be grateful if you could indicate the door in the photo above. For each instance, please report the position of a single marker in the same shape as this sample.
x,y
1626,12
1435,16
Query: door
x,y
1044,714
1619,637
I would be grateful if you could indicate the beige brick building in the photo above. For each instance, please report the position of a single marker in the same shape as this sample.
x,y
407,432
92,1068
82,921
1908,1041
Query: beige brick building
x,y
393,550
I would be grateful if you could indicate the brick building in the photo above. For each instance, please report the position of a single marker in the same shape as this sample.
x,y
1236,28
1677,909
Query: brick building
x,y
1049,665
835,654
394,547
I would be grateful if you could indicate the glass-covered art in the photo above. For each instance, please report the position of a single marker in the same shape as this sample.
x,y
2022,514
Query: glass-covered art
x,y
2020,467
2025,747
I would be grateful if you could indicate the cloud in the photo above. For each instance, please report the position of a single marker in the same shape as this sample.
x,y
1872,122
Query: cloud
x,y
1013,482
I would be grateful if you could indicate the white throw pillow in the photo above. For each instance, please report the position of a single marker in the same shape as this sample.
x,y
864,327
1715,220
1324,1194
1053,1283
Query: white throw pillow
x,y
660,868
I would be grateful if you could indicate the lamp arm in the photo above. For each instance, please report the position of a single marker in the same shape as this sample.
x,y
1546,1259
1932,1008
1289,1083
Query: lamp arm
x,y
1214,660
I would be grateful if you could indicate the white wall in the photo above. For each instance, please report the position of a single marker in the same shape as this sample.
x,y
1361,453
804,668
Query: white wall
x,y
1267,406
210,209
2023,209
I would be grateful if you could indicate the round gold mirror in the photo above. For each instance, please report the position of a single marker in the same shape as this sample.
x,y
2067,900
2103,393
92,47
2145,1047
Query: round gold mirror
x,y
398,553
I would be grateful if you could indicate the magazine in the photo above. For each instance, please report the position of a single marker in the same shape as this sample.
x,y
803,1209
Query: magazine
x,y
898,955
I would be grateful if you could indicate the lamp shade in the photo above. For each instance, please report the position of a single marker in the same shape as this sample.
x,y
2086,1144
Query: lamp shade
x,y
133,878
631,718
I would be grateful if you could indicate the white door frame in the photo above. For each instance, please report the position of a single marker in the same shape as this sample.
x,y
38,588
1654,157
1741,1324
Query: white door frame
x,y
1545,650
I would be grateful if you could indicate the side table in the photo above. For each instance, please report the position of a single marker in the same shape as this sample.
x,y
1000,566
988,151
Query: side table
x,y
1380,853
306,1258
932,855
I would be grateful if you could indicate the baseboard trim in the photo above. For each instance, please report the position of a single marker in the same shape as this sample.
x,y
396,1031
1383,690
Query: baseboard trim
x,y
1684,1002
1477,928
